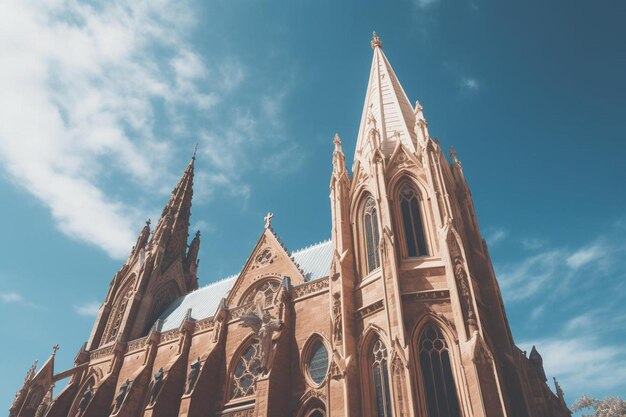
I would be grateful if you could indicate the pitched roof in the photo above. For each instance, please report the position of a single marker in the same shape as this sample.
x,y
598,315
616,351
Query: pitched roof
x,y
314,261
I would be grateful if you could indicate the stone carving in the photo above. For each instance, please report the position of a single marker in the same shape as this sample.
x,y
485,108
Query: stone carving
x,y
397,370
461,278
156,386
248,412
367,310
216,330
334,371
268,220
264,326
97,354
137,344
337,327
121,395
194,372
427,295
310,287
85,399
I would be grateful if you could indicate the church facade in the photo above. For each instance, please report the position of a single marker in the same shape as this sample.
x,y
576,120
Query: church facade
x,y
398,314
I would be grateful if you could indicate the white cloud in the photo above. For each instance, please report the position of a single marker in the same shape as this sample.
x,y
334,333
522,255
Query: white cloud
x,y
579,359
86,91
523,279
470,84
558,270
10,297
495,236
422,4
586,255
89,309
537,312
533,243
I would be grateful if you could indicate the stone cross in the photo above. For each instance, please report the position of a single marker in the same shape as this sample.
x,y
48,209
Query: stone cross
x,y
55,348
268,220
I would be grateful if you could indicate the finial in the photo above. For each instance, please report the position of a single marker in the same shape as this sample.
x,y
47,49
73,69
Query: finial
x,y
54,349
268,219
148,222
376,42
195,151
198,234
453,154
337,142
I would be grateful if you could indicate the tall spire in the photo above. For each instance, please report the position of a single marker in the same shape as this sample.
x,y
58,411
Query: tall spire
x,y
172,228
386,109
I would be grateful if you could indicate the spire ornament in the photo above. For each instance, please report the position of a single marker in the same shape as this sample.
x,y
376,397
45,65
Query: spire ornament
x,y
376,42
268,219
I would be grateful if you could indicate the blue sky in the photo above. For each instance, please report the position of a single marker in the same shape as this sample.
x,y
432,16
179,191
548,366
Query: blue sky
x,y
101,105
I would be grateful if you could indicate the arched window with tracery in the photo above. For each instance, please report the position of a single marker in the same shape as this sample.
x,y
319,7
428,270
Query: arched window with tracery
x,y
268,289
119,310
380,375
245,373
412,223
371,234
439,386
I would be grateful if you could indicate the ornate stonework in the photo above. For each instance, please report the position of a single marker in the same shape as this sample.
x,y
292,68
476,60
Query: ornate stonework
x,y
382,320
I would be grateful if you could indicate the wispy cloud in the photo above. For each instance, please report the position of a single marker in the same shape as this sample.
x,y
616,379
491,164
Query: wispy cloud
x,y
494,236
577,360
533,243
585,349
89,309
93,93
422,4
13,297
558,270
470,84
10,297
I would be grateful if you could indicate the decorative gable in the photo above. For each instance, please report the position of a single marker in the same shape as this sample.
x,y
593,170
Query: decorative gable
x,y
268,262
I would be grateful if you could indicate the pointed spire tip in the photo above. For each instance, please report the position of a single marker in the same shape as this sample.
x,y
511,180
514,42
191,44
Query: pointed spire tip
x,y
195,151
376,42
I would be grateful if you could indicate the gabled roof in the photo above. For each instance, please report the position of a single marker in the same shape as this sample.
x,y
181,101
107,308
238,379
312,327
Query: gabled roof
x,y
314,261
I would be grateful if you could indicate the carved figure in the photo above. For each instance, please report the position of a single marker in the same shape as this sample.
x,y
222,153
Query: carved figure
x,y
264,326
193,375
156,386
121,396
337,331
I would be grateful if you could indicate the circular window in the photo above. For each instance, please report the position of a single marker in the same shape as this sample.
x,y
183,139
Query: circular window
x,y
318,362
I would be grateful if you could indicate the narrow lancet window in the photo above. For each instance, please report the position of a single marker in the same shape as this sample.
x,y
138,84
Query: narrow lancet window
x,y
370,223
439,384
381,379
412,223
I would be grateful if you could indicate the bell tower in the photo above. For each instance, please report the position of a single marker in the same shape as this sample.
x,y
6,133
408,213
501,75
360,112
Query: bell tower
x,y
412,270
161,267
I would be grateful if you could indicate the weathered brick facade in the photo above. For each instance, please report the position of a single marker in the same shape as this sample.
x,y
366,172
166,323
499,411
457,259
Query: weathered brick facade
x,y
398,314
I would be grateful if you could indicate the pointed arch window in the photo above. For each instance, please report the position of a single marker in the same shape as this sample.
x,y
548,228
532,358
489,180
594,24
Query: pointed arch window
x,y
440,390
380,375
246,371
371,235
412,222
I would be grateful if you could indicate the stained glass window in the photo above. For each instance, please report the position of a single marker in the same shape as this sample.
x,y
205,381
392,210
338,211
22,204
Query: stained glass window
x,y
437,374
318,362
372,238
245,373
381,379
412,222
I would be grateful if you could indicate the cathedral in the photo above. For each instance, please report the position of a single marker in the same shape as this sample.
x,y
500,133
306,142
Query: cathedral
x,y
397,314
